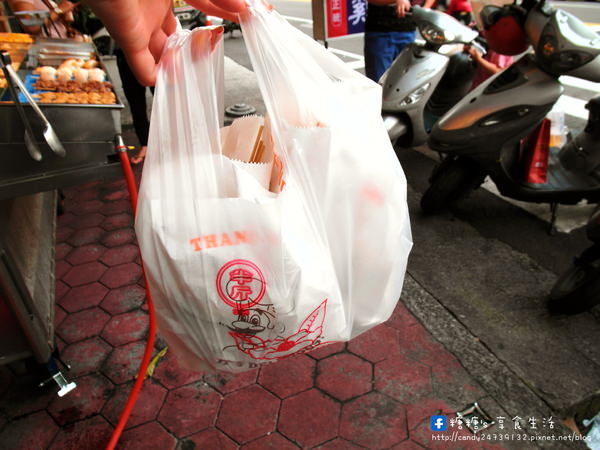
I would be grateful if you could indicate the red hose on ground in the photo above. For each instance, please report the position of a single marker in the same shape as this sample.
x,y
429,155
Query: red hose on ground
x,y
129,178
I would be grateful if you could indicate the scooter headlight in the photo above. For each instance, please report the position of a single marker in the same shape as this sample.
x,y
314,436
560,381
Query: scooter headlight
x,y
558,61
415,95
436,35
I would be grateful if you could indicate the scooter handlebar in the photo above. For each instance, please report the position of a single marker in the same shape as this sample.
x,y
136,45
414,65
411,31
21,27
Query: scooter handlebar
x,y
477,46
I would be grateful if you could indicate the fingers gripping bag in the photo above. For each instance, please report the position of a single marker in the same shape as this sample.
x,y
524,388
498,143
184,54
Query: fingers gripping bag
x,y
253,259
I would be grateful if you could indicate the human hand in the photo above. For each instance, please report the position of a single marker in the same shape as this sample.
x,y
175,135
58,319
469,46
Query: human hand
x,y
64,10
402,7
475,54
141,27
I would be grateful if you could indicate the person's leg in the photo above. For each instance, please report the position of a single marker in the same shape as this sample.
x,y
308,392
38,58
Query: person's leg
x,y
379,53
136,97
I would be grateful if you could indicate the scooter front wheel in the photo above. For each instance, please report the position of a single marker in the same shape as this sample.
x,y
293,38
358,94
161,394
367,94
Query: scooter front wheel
x,y
450,182
577,290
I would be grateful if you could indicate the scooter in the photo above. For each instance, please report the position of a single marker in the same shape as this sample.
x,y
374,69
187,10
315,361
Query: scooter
x,y
483,133
423,82
578,289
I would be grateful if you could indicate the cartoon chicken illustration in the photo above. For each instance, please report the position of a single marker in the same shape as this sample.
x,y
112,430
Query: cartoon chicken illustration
x,y
308,336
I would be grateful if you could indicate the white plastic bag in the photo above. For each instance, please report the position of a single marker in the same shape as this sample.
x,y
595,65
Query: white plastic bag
x,y
241,275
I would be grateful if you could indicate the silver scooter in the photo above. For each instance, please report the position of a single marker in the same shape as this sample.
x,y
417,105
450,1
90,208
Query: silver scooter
x,y
482,134
423,82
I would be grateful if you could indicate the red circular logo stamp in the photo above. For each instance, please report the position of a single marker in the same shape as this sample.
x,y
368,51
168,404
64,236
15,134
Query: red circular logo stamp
x,y
241,284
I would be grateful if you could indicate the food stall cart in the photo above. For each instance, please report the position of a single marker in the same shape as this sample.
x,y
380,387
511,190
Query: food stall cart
x,y
88,126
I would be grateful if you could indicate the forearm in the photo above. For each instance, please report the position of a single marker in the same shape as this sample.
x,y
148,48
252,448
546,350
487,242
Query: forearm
x,y
488,66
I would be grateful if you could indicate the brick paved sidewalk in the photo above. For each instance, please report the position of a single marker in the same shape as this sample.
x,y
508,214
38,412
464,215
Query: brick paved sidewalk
x,y
378,391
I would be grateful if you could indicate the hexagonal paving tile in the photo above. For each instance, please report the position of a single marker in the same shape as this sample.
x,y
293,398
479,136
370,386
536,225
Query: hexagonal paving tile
x,y
119,237
124,299
401,317
273,441
84,274
172,375
418,344
87,399
288,376
147,406
84,254
148,436
208,439
344,376
123,363
373,421
228,382
92,433
60,344
116,195
63,233
252,407
116,207
82,297
82,325
80,195
403,379
339,444
190,409
117,221
376,344
61,250
120,255
85,236
125,328
327,350
61,268
309,418
86,221
59,315
119,183
19,435
60,289
63,220
86,207
122,275
85,356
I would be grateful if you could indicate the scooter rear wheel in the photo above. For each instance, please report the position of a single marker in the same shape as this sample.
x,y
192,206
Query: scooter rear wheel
x,y
577,290
450,182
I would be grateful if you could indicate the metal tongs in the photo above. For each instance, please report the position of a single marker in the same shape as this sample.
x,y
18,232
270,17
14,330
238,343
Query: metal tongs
x,y
49,134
